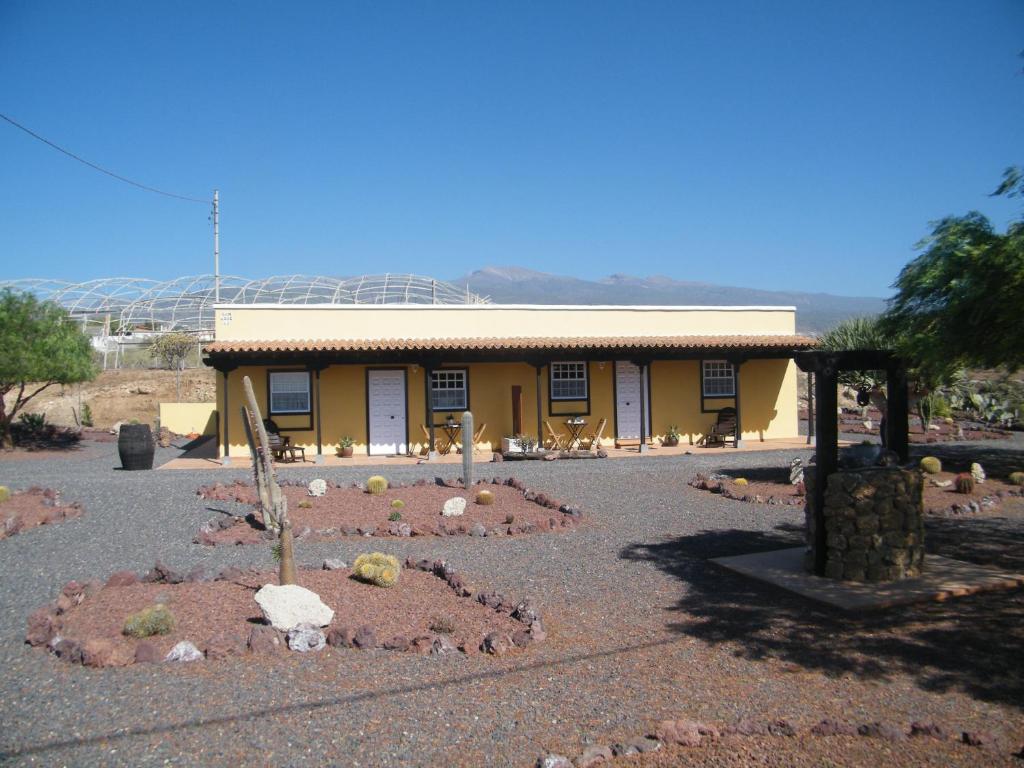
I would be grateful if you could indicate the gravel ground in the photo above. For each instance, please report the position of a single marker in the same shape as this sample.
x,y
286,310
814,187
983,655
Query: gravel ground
x,y
640,628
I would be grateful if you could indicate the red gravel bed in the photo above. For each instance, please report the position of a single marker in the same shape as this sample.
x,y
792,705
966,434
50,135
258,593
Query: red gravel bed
x,y
941,431
430,610
351,511
32,508
993,493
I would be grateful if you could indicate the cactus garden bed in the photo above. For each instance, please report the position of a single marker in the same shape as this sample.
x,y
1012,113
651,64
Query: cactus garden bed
x,y
772,486
404,510
430,610
24,510
939,431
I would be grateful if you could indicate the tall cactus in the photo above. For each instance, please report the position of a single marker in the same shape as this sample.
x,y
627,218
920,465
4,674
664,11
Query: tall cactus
x,y
467,449
273,503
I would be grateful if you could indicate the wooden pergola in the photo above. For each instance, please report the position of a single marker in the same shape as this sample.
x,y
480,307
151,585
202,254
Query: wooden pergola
x,y
826,367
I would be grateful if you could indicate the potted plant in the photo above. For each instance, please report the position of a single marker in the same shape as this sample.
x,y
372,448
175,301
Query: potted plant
x,y
671,437
345,447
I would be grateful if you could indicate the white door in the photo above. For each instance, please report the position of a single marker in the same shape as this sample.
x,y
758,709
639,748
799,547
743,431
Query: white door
x,y
385,394
627,401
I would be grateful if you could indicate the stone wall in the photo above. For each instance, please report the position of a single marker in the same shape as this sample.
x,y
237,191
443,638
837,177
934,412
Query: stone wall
x,y
874,519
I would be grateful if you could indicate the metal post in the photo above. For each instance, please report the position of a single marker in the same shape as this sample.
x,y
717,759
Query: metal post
x,y
216,246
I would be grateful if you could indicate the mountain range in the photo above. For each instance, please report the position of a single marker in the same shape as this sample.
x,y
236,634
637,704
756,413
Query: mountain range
x,y
815,312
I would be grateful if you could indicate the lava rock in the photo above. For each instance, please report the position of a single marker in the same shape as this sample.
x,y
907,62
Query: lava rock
x,y
365,637
224,644
685,733
146,652
101,652
122,579
929,730
305,638
184,651
495,644
880,731
829,727
341,637
592,755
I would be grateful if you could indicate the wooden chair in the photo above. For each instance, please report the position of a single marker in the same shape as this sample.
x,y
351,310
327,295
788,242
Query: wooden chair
x,y
594,439
281,445
426,440
722,431
556,440
478,436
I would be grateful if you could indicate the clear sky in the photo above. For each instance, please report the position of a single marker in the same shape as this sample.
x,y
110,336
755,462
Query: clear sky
x,y
767,144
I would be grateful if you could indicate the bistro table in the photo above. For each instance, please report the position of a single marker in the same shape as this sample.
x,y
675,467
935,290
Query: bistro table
x,y
452,430
576,427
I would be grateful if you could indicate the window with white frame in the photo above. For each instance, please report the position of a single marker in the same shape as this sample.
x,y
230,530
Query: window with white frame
x,y
449,390
289,392
719,379
569,381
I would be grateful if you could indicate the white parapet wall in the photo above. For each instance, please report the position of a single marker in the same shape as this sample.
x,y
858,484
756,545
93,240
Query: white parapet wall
x,y
188,418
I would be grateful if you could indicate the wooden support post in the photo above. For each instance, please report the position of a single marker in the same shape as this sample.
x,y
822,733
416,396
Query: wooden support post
x,y
826,456
517,410
428,396
319,437
540,409
226,459
642,365
897,417
738,440
810,408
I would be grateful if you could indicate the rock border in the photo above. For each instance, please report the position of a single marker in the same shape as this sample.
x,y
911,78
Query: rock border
x,y
45,624
685,732
49,498
571,514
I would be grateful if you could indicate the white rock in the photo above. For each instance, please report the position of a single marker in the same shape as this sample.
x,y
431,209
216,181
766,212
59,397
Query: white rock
x,y
184,651
454,507
305,638
317,487
334,564
942,483
977,473
286,607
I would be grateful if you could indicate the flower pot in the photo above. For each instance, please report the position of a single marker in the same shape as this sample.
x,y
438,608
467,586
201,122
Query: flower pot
x,y
135,446
346,452
670,441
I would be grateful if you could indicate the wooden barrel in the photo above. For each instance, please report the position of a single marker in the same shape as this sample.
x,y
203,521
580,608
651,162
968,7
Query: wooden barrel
x,y
135,446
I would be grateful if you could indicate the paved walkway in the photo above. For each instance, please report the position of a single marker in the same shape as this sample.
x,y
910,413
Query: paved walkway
x,y
641,627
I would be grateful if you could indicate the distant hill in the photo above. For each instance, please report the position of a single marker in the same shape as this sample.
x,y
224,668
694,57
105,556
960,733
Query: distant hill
x,y
815,312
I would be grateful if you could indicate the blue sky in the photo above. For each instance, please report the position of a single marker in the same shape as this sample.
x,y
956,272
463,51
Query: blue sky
x,y
775,145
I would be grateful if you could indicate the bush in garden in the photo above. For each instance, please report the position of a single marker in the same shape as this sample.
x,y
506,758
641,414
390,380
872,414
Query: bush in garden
x,y
155,620
5,493
964,483
377,568
395,516
1017,478
442,625
485,498
376,485
931,465
305,504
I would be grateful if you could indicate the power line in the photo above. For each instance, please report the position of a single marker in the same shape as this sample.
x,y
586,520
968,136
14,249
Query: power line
x,y
72,155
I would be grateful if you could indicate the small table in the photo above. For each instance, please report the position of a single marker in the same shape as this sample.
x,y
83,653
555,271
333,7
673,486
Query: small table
x,y
452,432
575,427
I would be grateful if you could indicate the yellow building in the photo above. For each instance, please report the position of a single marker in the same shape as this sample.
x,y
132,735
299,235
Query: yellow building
x,y
389,376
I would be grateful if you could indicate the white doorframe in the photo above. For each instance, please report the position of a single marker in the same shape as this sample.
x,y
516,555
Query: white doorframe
x,y
626,376
386,412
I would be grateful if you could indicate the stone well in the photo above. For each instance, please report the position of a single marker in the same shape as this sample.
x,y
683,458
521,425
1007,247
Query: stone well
x,y
874,522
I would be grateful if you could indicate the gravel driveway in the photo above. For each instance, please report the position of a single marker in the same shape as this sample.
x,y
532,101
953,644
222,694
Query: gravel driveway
x,y
640,628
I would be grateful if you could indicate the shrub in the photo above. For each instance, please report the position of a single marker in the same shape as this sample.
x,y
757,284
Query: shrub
x,y
5,493
964,483
305,504
395,516
931,465
509,519
485,498
740,481
346,442
376,485
442,625
1016,478
32,423
155,620
377,568
86,415
398,504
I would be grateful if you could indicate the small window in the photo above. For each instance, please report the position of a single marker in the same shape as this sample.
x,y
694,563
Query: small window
x,y
289,392
569,381
719,379
449,390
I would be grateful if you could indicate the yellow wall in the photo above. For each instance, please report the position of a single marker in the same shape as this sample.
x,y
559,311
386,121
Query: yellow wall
x,y
363,321
186,418
768,402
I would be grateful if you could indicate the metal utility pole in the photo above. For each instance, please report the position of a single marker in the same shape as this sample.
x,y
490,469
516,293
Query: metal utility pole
x,y
216,246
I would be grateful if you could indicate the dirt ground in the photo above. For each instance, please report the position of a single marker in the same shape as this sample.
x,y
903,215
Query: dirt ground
x,y
123,395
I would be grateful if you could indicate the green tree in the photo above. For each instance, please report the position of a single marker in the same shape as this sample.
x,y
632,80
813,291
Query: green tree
x,y
172,350
38,348
958,304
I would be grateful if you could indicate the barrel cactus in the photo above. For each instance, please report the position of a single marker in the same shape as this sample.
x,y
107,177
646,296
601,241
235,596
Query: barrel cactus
x,y
931,465
398,504
5,493
376,485
377,568
155,620
1017,478
740,481
485,498
964,483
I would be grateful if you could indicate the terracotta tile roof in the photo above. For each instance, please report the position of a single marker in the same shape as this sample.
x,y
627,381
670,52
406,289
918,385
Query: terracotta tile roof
x,y
511,344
